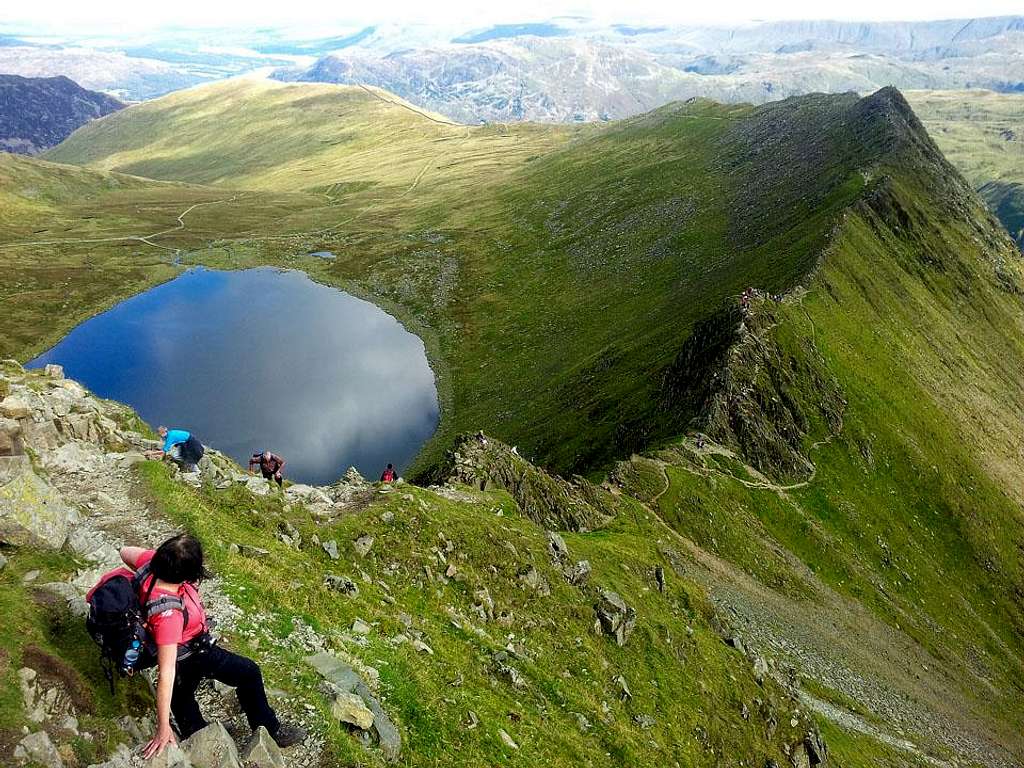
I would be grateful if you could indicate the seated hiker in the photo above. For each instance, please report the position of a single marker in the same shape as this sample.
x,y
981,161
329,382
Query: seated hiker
x,y
180,446
185,652
270,466
388,475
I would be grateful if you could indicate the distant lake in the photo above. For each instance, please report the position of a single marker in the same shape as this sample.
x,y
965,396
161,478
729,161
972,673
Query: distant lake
x,y
263,359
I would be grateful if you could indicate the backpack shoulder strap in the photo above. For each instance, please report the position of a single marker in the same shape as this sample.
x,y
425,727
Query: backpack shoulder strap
x,y
140,576
164,603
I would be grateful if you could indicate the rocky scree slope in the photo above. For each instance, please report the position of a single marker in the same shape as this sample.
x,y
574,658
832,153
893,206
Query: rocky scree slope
x,y
398,623
37,113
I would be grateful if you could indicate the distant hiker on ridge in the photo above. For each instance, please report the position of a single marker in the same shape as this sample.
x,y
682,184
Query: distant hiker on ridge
x,y
270,466
180,446
176,640
389,475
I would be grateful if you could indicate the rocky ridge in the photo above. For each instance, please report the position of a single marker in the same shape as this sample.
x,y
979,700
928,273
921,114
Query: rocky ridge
x,y
66,481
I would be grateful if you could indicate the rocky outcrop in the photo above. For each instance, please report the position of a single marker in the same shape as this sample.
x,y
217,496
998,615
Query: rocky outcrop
x,y
40,112
31,511
550,501
615,617
733,382
353,703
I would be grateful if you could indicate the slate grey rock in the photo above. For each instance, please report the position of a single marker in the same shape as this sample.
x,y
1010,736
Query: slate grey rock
x,y
557,547
760,669
211,747
346,679
616,617
342,584
331,548
261,751
364,544
578,574
38,748
32,512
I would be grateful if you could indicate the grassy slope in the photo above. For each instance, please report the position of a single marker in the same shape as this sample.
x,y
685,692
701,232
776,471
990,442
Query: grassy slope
x,y
982,133
915,508
554,271
693,685
921,486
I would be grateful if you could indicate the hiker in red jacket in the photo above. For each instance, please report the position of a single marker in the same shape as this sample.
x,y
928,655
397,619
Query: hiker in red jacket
x,y
174,570
388,475
270,466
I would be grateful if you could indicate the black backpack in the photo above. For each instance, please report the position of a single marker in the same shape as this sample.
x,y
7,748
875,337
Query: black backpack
x,y
117,622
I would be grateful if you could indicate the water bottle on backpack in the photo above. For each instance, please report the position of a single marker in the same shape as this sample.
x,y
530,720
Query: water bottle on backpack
x,y
131,657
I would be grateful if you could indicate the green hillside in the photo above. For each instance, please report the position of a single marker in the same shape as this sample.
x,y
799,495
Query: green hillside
x,y
982,134
852,510
554,272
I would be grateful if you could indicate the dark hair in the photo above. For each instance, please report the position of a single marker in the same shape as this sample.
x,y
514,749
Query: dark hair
x,y
390,467
179,559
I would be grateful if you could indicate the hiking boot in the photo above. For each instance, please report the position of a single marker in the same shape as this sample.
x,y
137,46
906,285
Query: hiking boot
x,y
288,735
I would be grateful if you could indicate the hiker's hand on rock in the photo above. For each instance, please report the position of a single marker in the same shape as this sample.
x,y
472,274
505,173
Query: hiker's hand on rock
x,y
164,736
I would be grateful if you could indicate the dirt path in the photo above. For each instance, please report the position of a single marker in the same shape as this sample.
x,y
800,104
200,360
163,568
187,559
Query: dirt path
x,y
110,510
146,239
834,641
409,107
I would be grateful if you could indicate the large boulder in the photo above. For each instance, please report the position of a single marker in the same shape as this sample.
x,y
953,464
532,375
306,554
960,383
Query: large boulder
x,y
14,407
11,441
36,748
212,747
32,512
341,678
616,618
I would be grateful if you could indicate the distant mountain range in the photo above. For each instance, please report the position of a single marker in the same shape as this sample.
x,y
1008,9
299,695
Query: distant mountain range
x,y
565,69
39,113
560,72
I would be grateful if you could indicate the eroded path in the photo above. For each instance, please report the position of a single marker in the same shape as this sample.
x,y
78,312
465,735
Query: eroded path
x,y
827,637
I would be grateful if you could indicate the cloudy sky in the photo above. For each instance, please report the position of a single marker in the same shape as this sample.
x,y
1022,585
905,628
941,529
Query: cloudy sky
x,y
133,14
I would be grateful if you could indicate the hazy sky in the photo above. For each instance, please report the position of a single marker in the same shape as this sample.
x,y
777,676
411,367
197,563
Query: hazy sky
x,y
122,15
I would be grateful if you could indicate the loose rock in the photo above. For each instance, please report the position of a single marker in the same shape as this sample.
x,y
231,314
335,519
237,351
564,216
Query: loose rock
x,y
617,619
507,739
37,748
350,708
578,574
342,584
261,751
211,747
364,544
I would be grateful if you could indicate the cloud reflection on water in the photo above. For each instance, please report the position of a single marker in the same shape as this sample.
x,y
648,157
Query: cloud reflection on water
x,y
263,359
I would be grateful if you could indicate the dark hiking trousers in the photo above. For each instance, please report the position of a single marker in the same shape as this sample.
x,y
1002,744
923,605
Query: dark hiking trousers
x,y
272,476
215,663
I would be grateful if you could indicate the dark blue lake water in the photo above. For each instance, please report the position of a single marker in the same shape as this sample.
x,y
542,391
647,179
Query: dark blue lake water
x,y
263,359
